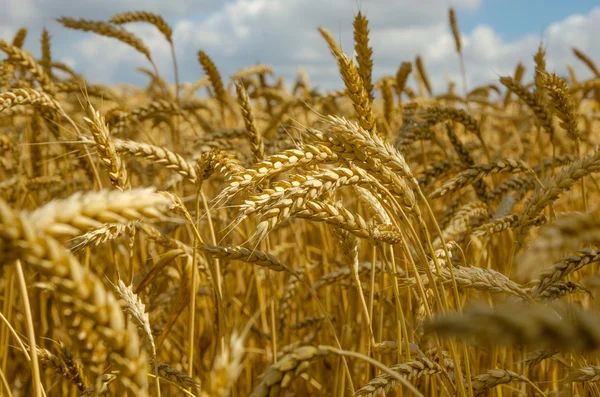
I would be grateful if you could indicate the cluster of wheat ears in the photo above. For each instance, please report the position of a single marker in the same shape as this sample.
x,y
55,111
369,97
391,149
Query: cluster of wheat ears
x,y
261,241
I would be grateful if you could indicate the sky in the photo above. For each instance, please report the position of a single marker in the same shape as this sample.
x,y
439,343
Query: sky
x,y
283,33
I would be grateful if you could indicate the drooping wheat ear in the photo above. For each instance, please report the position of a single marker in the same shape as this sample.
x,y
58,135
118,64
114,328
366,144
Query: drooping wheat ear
x,y
437,114
239,253
423,74
108,30
106,148
364,53
280,205
411,369
217,161
564,267
215,78
250,71
335,214
173,375
523,325
120,118
354,84
562,288
63,365
386,174
587,61
280,375
216,138
562,103
108,232
540,110
302,157
537,356
483,91
494,377
25,60
143,16
157,155
435,171
271,94
27,96
563,181
46,54
502,224
481,279
160,24
153,108
227,367
402,77
372,202
462,219
476,172
91,90
254,136
362,145
455,30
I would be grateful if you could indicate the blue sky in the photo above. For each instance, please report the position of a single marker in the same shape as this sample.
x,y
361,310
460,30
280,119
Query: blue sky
x,y
516,18
283,33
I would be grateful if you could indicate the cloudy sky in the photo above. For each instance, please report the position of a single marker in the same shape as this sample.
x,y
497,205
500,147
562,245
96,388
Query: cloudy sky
x,y
283,33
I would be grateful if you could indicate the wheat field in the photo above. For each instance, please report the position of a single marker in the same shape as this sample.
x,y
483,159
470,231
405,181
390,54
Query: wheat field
x,y
267,239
